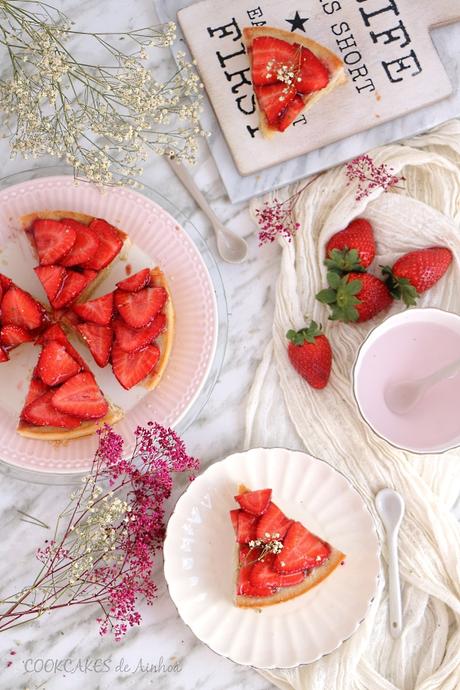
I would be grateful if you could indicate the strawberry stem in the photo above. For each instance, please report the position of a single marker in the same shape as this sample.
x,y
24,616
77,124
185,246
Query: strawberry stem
x,y
304,335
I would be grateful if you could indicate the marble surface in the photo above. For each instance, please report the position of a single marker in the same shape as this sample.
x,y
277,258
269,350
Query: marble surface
x,y
141,660
446,40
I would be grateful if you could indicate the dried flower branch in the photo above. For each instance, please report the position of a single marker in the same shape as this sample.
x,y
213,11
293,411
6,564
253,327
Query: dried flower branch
x,y
276,219
106,539
370,176
101,119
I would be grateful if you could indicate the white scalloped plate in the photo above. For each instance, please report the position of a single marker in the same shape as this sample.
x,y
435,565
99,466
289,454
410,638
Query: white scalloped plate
x,y
157,239
199,560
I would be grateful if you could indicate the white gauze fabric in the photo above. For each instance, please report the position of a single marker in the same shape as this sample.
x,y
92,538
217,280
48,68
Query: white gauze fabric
x,y
282,410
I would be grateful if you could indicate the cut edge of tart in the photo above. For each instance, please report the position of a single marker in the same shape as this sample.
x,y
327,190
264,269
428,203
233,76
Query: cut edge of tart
x,y
310,576
329,59
28,220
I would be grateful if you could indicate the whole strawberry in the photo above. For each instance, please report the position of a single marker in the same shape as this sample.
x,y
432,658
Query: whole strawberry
x,y
417,272
351,249
310,354
355,297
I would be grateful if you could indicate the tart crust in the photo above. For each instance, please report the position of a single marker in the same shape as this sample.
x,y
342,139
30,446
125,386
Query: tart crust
x,y
327,57
285,593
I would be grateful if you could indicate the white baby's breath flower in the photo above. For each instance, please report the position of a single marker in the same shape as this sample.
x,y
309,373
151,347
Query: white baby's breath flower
x,y
100,119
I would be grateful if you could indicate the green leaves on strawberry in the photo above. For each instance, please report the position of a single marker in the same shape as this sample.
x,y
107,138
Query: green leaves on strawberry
x,y
310,354
416,272
354,297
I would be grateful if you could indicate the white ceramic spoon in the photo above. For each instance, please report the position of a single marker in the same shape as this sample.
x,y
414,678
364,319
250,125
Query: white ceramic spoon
x,y
401,397
231,247
390,507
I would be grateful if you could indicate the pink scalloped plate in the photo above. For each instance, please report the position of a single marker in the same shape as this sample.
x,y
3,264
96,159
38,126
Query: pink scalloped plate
x,y
157,239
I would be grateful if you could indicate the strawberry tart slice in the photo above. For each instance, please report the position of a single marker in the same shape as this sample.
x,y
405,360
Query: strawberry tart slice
x,y
22,318
131,327
63,400
290,73
74,252
278,558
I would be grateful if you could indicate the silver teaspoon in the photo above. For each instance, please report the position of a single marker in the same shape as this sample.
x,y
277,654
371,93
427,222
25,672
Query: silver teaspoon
x,y
231,247
390,507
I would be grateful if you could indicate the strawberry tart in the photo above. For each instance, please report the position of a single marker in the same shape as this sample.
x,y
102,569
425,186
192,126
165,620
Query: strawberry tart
x,y
277,558
131,327
290,73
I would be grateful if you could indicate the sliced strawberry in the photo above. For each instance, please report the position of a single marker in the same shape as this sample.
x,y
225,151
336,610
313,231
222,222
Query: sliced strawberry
x,y
273,524
80,396
36,389
301,550
137,309
110,244
41,412
274,100
133,339
89,274
247,559
313,74
5,282
250,590
293,109
51,277
3,355
10,336
268,56
255,502
99,340
98,310
55,365
234,518
290,579
135,282
132,367
263,575
53,240
73,285
246,527
20,309
54,332
86,244
244,571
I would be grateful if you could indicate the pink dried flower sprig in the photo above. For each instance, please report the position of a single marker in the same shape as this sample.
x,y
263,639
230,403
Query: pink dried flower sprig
x,y
276,220
113,528
370,176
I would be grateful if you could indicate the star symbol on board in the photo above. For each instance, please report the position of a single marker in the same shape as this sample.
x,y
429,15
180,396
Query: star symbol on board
x,y
298,22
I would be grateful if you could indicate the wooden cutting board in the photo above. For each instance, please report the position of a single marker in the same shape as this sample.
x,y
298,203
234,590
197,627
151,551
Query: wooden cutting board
x,y
391,65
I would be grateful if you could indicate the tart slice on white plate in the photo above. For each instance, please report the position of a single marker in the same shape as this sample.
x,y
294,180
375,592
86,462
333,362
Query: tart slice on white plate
x,y
290,73
277,558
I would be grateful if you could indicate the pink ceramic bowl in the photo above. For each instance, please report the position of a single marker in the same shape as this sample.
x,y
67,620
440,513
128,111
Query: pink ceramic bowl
x,y
409,346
